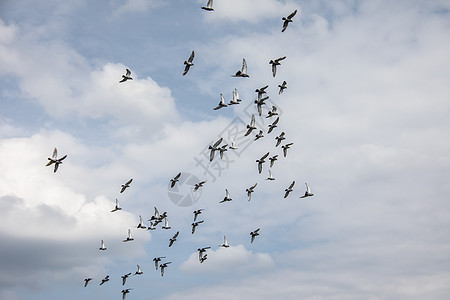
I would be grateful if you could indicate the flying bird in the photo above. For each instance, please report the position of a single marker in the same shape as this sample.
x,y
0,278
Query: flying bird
x,y
308,192
124,293
195,224
272,160
270,176
261,161
289,189
233,145
250,126
197,212
139,270
235,99
227,197
199,185
174,180
55,160
282,87
126,77
151,227
222,150
259,103
129,238
201,251
225,242
155,215
124,278
117,207
243,71
204,257
273,125
157,260
221,103
106,279
173,239
208,6
86,281
126,185
261,91
285,148
166,224
287,20
254,234
250,190
141,223
280,138
272,112
188,63
276,63
102,246
163,266
214,148
259,135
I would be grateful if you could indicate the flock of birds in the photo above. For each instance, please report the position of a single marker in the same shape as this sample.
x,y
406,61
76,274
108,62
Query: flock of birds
x,y
158,218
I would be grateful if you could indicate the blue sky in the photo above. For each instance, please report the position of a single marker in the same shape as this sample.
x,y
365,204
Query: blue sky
x,y
366,109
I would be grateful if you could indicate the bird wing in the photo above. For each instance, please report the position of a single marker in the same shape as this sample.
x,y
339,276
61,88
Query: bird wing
x,y
191,58
264,156
244,66
276,121
217,143
129,181
274,70
210,3
178,176
176,235
128,73
280,59
292,14
227,194
55,153
292,184
308,190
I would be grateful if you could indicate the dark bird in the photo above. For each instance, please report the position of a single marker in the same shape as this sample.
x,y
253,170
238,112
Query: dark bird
x,y
86,281
163,266
243,71
124,278
287,20
197,212
126,185
199,185
174,180
276,63
250,190
188,63
106,279
261,161
55,160
259,135
254,234
201,251
282,87
250,126
204,257
308,192
129,238
273,125
289,189
151,227
272,160
208,6
157,260
261,91
280,138
222,150
285,148
214,148
126,77
139,270
221,103
117,207
173,239
195,224
102,246
124,293
227,197
272,112
259,103
225,242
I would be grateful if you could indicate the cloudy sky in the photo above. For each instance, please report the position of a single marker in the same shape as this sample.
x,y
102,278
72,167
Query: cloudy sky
x,y
367,110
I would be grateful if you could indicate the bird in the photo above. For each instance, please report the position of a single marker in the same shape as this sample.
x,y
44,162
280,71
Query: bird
x,y
250,190
273,125
254,234
221,103
280,138
201,251
276,63
124,293
127,184
203,258
227,197
174,180
163,266
129,238
173,239
102,246
141,223
106,279
250,126
151,227
188,63
214,148
86,281
117,207
285,148
155,215
261,91
272,112
197,212
235,99
225,242
308,192
195,224
208,6
259,103
282,87
124,278
287,20
126,77
233,145
272,160
139,270
166,224
261,161
243,71
55,160
199,185
289,189
259,135
222,150
270,176
157,260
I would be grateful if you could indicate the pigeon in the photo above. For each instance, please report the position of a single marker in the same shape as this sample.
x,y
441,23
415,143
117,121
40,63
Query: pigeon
x,y
280,138
272,160
124,186
201,251
156,260
289,189
102,246
250,190
261,161
225,242
173,239
124,278
270,176
233,145
124,293
126,77
276,63
197,212
54,160
86,281
208,6
250,126
259,135
235,99
254,234
287,20
273,125
285,148
195,224
227,197
199,185
174,180
129,238
214,148
151,227
203,258
243,71
272,112
308,192
188,63
222,150
166,224
117,207
259,103
139,270
141,223
282,87
163,266
106,279
221,103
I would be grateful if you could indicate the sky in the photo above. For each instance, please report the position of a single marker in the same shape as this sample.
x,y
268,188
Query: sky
x,y
366,108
